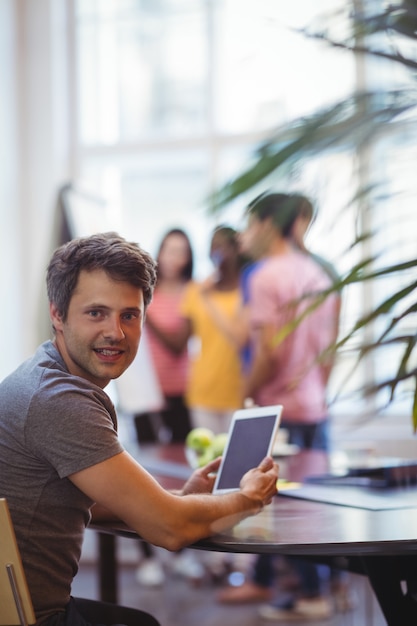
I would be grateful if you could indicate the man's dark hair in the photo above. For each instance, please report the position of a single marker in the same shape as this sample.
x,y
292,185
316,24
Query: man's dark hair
x,y
282,208
121,260
304,207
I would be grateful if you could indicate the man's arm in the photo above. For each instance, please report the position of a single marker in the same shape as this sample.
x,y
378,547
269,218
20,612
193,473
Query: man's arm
x,y
263,360
172,521
200,481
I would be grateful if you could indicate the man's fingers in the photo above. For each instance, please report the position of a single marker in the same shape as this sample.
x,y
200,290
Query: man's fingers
x,y
266,464
212,466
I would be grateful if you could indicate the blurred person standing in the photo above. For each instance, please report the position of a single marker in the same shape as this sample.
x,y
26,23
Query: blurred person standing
x,y
290,371
214,389
163,323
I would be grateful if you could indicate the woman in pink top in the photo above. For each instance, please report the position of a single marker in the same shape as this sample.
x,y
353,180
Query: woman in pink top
x,y
163,322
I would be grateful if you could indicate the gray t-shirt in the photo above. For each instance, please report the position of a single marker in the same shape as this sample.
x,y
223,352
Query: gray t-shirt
x,y
52,424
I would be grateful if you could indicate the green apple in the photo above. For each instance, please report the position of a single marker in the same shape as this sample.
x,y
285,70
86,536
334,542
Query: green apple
x,y
218,444
199,438
205,457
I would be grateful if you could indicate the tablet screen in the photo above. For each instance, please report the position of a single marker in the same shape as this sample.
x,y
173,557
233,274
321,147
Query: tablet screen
x,y
250,439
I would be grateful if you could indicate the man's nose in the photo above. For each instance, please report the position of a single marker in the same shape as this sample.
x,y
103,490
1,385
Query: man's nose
x,y
114,328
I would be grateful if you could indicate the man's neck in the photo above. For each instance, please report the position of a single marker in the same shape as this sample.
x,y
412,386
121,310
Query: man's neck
x,y
278,246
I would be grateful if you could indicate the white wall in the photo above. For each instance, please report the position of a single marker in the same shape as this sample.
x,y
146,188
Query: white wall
x,y
35,161
9,214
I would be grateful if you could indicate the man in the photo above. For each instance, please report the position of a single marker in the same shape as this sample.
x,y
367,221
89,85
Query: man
x,y
59,451
287,365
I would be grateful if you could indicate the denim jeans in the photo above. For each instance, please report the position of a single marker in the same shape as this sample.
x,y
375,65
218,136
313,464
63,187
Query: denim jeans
x,y
307,437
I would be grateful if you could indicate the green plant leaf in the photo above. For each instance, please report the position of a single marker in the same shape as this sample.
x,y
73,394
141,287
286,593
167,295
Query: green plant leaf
x,y
395,320
354,121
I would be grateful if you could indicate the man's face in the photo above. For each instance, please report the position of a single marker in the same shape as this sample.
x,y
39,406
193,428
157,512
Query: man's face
x,y
100,336
253,239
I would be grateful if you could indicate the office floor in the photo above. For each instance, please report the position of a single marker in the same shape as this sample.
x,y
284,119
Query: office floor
x,y
177,602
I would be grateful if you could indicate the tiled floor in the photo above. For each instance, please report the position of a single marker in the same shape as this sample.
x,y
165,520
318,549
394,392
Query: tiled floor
x,y
177,602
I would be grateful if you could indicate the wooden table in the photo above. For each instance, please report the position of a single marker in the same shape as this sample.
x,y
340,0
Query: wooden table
x,y
381,544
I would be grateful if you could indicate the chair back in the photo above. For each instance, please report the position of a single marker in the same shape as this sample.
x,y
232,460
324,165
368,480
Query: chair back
x,y
16,607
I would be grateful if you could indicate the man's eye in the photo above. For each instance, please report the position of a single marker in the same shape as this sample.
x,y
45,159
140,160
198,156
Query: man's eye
x,y
129,316
94,313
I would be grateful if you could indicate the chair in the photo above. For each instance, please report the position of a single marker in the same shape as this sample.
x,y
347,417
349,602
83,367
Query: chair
x,y
16,607
15,602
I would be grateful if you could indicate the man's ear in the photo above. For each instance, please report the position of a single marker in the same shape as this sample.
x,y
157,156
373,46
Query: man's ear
x,y
55,315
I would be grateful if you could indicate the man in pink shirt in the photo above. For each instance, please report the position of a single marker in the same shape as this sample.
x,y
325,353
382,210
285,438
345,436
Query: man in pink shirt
x,y
284,286
290,330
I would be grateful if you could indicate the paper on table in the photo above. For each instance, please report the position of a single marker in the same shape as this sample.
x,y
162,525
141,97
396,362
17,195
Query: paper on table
x,y
359,498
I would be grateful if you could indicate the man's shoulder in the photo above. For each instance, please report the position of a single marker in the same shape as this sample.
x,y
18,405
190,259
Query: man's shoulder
x,y
31,369
327,266
293,268
287,261
316,268
44,377
45,356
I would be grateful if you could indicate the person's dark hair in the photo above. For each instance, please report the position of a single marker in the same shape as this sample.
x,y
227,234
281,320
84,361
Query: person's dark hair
x,y
187,271
282,208
121,260
232,236
229,233
303,206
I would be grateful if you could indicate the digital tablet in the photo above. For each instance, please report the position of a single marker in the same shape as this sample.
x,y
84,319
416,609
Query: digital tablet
x,y
251,437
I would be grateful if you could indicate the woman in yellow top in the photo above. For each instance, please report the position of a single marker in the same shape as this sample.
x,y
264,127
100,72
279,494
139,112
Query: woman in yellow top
x,y
214,388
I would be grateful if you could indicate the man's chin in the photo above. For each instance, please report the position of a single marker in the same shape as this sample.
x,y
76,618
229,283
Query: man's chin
x,y
118,371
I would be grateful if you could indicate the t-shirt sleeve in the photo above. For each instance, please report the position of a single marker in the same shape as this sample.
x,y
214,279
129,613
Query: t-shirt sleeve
x,y
72,428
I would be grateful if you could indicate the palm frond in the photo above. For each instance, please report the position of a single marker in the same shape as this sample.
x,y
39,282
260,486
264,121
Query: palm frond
x,y
397,319
353,121
398,19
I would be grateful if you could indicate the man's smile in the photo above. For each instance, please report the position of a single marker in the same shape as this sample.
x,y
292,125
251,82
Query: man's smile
x,y
109,353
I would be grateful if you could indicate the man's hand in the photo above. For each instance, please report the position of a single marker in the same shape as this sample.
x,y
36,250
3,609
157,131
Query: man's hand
x,y
202,480
260,483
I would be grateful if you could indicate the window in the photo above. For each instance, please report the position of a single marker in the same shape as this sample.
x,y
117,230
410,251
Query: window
x,y
173,96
